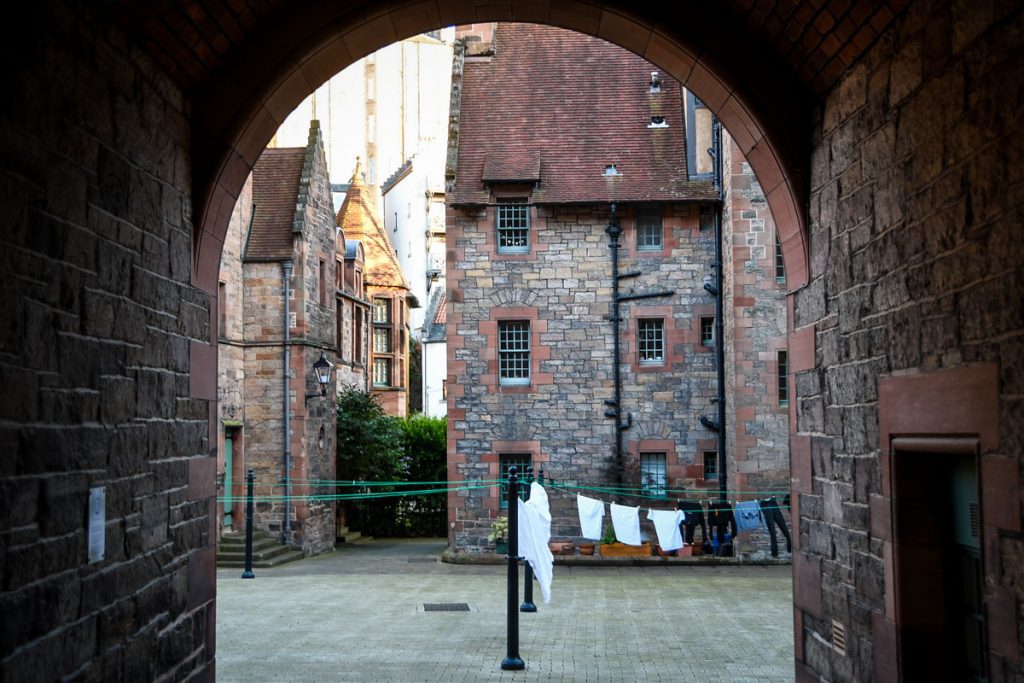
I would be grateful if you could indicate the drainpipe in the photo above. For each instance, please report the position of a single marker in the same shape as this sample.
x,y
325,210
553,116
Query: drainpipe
x,y
615,405
716,152
286,269
614,230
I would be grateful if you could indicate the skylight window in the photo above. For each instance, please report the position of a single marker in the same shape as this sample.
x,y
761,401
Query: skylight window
x,y
610,170
658,122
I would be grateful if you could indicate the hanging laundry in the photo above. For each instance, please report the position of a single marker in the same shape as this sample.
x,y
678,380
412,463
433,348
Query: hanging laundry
x,y
626,521
534,536
591,516
694,516
666,523
773,516
722,522
748,515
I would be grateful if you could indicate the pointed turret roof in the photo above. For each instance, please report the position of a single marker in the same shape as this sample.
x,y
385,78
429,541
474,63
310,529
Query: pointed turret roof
x,y
358,218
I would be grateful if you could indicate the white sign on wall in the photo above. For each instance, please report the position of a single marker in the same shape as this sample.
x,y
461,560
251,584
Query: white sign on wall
x,y
97,523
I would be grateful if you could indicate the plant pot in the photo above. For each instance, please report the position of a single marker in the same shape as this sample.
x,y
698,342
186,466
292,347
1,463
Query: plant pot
x,y
587,548
501,547
622,550
560,547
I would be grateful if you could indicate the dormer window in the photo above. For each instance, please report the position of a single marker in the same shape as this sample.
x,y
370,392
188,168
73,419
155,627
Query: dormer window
x,y
658,122
655,84
610,170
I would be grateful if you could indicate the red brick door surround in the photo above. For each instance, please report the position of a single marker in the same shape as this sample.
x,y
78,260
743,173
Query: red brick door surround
x,y
953,411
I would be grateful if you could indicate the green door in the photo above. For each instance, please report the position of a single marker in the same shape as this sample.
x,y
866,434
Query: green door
x,y
228,439
966,584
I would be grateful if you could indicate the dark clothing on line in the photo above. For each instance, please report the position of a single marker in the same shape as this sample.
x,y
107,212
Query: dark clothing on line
x,y
772,516
722,520
694,516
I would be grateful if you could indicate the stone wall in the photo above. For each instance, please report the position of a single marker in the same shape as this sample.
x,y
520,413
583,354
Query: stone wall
x,y
313,423
564,289
755,332
100,331
312,302
916,275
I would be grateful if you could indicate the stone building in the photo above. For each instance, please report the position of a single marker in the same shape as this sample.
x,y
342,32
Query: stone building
x,y
885,136
277,285
387,290
552,128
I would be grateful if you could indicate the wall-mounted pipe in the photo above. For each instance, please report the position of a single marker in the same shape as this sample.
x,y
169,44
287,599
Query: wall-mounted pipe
x,y
614,231
286,273
716,152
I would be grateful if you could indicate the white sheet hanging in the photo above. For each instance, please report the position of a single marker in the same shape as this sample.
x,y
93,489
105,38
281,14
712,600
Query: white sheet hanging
x,y
626,521
591,516
666,523
534,535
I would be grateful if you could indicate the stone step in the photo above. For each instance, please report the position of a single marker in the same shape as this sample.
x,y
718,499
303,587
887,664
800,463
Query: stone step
x,y
266,551
347,536
234,545
275,561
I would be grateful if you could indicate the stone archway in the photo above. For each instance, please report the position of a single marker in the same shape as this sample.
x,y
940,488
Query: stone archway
x,y
237,113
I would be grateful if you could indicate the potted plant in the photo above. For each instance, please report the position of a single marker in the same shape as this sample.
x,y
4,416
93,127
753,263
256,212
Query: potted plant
x,y
498,535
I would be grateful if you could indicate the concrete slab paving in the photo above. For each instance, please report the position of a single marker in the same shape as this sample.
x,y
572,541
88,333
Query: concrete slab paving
x,y
357,615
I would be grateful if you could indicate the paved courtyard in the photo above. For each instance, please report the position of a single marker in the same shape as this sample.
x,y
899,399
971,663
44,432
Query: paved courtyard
x,y
357,615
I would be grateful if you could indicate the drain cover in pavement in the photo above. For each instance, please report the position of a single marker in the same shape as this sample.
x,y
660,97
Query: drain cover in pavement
x,y
445,607
422,559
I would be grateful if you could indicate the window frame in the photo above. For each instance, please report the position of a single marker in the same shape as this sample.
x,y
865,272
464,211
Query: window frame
x,y
642,229
660,486
386,363
646,345
709,474
505,460
709,321
382,332
782,371
377,302
521,204
780,263
505,355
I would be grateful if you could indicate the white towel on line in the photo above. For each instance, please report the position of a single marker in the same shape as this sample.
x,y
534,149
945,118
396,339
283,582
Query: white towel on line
x,y
666,523
626,521
534,535
591,516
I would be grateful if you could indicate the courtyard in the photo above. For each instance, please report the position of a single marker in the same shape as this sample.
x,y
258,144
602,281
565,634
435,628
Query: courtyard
x,y
358,615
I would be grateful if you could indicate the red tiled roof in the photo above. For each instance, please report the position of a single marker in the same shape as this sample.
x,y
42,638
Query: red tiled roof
x,y
567,105
358,219
275,185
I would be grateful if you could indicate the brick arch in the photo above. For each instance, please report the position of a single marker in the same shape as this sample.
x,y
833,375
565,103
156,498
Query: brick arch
x,y
290,54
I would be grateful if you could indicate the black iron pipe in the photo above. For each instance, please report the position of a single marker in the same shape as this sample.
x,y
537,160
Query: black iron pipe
x,y
719,310
249,477
614,231
512,661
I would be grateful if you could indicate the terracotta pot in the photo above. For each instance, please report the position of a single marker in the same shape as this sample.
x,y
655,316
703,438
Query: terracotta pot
x,y
587,548
560,547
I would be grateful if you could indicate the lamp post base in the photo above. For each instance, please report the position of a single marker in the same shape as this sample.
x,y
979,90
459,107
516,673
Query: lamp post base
x,y
513,664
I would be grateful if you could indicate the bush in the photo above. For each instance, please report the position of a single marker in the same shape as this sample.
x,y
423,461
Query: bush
x,y
385,451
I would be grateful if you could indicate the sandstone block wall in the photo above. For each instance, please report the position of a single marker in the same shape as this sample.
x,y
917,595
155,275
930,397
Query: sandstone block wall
x,y
101,328
916,269
564,288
